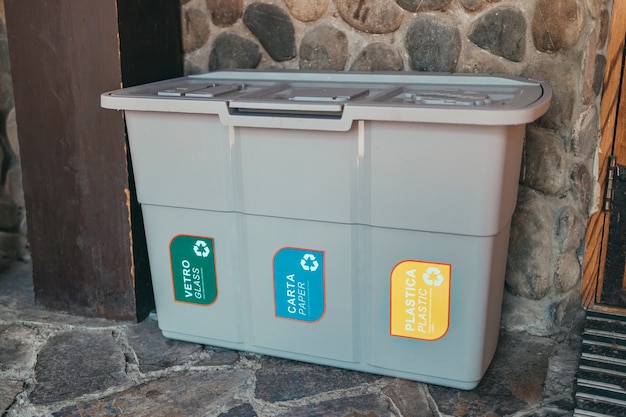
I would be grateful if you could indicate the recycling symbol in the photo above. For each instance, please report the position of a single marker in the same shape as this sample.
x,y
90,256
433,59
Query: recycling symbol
x,y
309,263
201,248
433,276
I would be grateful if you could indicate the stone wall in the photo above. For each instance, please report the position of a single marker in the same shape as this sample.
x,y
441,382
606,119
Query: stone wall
x,y
558,41
13,242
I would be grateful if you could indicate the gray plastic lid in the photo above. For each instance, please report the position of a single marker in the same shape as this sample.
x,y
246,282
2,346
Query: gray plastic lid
x,y
334,100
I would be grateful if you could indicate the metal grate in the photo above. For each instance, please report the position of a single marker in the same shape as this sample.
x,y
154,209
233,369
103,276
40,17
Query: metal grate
x,y
601,379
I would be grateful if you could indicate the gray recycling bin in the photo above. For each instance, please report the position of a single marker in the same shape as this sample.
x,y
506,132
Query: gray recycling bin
x,y
358,220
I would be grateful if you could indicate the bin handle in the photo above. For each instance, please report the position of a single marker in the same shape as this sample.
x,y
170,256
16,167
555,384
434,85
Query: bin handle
x,y
301,115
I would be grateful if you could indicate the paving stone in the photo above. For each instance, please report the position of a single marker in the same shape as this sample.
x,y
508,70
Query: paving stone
x,y
433,44
17,350
9,389
324,48
545,162
243,410
556,24
188,394
513,382
195,29
411,398
371,16
154,351
233,51
219,357
76,363
283,380
415,6
563,366
17,300
369,405
225,12
528,272
501,31
307,10
273,27
378,57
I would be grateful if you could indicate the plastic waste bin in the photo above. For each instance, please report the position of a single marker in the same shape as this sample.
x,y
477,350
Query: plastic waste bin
x,y
358,220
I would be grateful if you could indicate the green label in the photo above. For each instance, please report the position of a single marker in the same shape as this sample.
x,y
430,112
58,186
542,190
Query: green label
x,y
193,269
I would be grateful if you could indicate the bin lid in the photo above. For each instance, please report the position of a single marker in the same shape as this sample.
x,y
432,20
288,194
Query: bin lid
x,y
334,100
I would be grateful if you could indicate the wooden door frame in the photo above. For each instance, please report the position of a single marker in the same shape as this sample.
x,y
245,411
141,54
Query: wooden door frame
x,y
597,229
85,232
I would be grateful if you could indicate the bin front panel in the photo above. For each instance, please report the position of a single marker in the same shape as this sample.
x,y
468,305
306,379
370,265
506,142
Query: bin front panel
x,y
332,335
223,318
477,281
448,179
298,174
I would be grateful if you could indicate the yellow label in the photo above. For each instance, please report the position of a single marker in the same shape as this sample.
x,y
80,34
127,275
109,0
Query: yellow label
x,y
420,300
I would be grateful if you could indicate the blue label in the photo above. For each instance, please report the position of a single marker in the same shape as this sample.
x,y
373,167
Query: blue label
x,y
299,284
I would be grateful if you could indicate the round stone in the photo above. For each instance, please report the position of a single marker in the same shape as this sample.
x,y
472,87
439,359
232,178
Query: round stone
x,y
371,16
233,51
307,10
6,93
501,31
324,48
414,6
562,76
378,57
433,44
557,24
225,12
9,213
195,29
545,166
582,187
11,127
529,261
474,5
567,272
273,27
585,134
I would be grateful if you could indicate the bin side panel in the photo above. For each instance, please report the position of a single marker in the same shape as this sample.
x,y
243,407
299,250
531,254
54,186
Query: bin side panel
x,y
181,160
442,178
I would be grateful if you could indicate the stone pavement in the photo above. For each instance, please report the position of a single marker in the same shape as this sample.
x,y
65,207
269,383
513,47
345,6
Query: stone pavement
x,y
53,364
